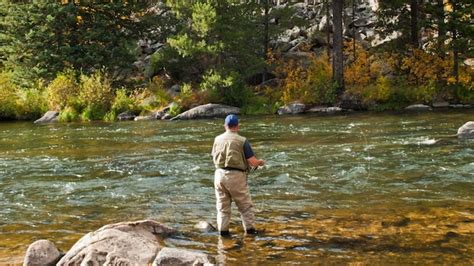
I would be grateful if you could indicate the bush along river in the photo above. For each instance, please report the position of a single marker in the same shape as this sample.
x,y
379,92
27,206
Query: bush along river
x,y
370,188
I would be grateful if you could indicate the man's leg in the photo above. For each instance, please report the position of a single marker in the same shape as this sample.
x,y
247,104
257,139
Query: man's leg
x,y
223,202
239,192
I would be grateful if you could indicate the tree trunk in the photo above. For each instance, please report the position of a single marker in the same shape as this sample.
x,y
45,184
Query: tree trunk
x,y
353,29
328,34
441,26
337,60
414,23
265,39
454,42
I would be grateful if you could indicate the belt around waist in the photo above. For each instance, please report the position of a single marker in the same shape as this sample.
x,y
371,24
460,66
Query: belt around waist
x,y
232,169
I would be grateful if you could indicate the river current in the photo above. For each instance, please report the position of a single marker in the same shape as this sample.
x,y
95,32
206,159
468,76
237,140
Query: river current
x,y
357,188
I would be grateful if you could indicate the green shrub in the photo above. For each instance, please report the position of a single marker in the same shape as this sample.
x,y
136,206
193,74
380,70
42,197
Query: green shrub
x,y
63,90
175,109
379,92
229,89
96,96
31,103
93,113
68,114
8,96
123,102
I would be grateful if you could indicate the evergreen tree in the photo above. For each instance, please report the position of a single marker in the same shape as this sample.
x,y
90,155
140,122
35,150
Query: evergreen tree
x,y
41,38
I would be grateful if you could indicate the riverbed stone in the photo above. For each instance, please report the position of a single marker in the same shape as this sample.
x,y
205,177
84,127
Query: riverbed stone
x,y
205,226
417,107
41,252
466,131
180,257
144,118
48,117
126,243
325,110
207,111
128,115
292,108
440,105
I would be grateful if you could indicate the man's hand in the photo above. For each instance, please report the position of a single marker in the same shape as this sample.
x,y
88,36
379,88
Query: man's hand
x,y
254,162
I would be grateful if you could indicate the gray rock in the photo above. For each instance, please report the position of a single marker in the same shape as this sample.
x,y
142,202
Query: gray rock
x,y
466,131
205,226
323,109
41,252
417,107
48,117
180,257
440,105
166,117
458,106
292,108
207,111
128,243
144,118
126,116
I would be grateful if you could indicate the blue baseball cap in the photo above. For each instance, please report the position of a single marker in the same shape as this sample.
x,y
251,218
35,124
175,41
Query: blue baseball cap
x,y
231,121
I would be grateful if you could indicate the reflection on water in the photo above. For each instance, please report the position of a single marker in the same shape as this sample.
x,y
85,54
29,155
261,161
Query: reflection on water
x,y
357,188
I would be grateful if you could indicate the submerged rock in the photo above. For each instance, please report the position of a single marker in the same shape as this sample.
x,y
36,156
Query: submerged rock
x,y
174,256
292,108
440,105
48,117
41,252
207,111
205,226
326,110
466,131
127,243
417,107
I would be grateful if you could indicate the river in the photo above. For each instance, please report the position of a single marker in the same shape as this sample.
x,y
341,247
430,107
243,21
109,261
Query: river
x,y
357,188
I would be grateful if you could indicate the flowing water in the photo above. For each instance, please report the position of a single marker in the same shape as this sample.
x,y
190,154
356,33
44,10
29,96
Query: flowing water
x,y
358,188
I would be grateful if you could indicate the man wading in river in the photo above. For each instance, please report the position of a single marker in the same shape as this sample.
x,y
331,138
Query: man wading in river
x,y
233,157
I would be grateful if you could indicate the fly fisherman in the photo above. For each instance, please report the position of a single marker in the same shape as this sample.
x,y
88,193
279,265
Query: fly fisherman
x,y
233,158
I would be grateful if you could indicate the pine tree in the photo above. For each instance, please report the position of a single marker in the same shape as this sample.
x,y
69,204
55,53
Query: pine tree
x,y
41,38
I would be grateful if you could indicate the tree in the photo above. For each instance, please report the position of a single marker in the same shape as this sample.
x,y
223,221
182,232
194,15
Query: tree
x,y
338,56
42,38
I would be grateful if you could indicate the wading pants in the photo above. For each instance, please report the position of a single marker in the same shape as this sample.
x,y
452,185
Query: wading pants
x,y
232,186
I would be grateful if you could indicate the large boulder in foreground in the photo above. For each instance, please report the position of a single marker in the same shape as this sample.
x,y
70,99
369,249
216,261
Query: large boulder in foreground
x,y
207,111
48,117
127,243
466,131
180,257
41,252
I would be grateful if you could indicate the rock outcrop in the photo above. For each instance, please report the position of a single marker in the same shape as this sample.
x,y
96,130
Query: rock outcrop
x,y
48,117
417,107
128,243
126,116
180,257
41,252
466,131
292,108
207,111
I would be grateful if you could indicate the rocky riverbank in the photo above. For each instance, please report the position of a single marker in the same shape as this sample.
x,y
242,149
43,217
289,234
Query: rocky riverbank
x,y
126,243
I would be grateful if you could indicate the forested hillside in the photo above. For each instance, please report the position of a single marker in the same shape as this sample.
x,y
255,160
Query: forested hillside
x,y
95,60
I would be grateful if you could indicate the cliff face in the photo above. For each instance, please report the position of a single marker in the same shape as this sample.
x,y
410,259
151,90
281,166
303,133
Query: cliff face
x,y
315,19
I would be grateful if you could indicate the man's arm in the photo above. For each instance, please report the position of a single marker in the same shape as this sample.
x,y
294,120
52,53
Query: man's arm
x,y
254,162
250,156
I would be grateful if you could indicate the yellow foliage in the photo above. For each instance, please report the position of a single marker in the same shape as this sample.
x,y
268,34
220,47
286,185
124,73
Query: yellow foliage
x,y
423,67
311,84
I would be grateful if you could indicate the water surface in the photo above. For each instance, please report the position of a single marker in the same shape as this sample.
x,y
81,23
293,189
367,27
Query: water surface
x,y
371,188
